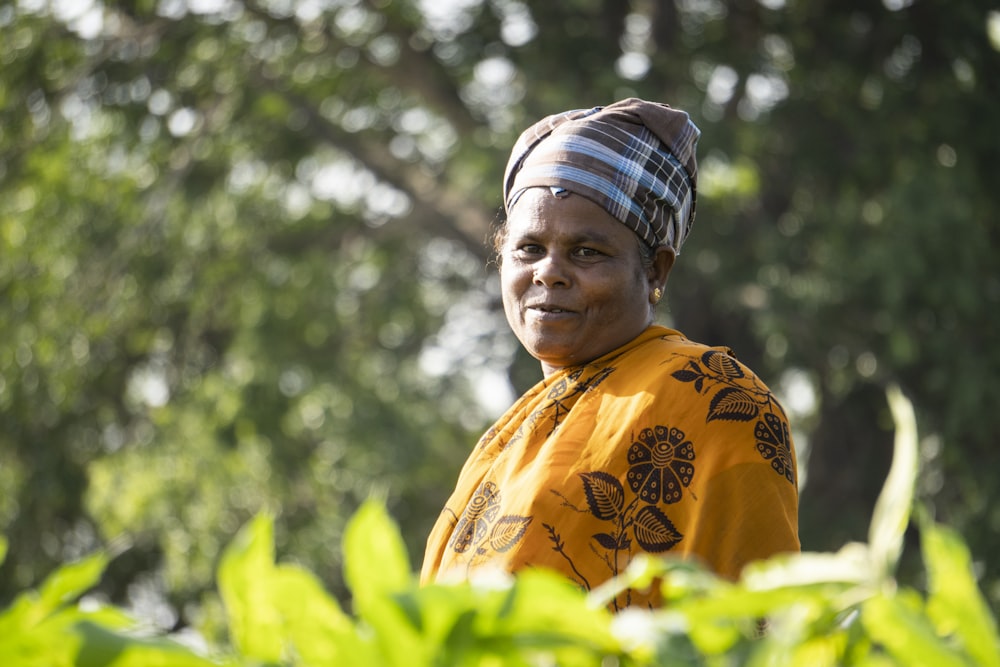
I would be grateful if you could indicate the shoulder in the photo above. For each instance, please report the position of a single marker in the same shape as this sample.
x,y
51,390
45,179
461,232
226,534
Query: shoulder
x,y
674,368
670,352
710,396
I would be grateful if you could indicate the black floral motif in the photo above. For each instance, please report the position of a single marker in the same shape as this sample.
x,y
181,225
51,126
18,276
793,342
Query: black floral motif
x,y
736,398
597,378
660,461
478,514
560,399
654,531
507,531
660,464
485,439
605,495
773,443
732,404
564,393
722,365
479,530
561,387
739,396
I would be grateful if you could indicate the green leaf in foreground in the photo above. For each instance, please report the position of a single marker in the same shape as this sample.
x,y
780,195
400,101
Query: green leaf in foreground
x,y
61,587
281,612
103,647
898,624
892,509
377,570
955,604
44,627
375,554
254,622
537,617
318,630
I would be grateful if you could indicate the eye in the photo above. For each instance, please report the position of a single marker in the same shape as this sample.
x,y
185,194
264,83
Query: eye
x,y
530,249
587,252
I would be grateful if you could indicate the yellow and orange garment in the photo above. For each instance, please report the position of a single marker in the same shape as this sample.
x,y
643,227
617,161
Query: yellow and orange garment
x,y
663,446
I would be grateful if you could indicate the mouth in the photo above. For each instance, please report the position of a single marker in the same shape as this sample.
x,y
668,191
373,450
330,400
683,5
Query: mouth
x,y
549,309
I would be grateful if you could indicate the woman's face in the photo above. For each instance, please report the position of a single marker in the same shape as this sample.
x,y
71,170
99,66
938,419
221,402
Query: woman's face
x,y
574,287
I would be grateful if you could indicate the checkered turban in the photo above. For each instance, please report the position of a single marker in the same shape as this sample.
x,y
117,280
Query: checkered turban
x,y
636,159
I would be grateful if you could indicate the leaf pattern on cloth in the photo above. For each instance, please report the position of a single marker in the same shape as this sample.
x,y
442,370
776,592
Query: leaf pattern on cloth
x,y
733,404
605,495
661,464
479,527
472,525
773,443
739,396
507,531
560,399
654,531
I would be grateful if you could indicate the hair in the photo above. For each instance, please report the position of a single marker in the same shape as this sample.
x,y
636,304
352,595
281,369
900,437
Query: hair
x,y
497,237
647,253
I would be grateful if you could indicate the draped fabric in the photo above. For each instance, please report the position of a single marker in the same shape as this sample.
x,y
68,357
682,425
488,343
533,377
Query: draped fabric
x,y
635,159
663,446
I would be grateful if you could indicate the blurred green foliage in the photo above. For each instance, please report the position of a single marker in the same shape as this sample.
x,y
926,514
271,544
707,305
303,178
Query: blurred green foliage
x,y
243,268
810,609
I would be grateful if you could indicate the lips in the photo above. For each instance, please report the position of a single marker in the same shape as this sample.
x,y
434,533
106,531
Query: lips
x,y
549,308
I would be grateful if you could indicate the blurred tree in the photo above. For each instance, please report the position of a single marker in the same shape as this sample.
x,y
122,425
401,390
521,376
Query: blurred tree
x,y
242,258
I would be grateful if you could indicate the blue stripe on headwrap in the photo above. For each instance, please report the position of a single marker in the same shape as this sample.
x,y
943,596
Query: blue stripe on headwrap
x,y
636,159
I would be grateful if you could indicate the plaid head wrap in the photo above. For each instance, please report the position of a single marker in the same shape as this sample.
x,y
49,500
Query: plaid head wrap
x,y
635,159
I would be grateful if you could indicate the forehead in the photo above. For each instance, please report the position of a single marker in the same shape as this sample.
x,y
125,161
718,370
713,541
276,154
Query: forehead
x,y
540,213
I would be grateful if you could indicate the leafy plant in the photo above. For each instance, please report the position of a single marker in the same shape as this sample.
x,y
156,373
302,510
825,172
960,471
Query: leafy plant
x,y
815,609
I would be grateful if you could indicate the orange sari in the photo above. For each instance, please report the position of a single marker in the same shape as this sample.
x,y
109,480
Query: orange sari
x,y
663,446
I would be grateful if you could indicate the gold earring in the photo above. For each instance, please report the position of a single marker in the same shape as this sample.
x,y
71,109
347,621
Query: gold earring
x,y
657,295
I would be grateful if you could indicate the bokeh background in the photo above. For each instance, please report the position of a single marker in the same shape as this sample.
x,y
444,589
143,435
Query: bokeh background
x,y
244,260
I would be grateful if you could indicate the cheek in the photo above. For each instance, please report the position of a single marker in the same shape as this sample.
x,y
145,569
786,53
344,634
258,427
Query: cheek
x,y
512,277
508,287
624,297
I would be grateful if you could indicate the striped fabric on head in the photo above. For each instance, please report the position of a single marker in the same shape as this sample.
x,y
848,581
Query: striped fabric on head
x,y
636,159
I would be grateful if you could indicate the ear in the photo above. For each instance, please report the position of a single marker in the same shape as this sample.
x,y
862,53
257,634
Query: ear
x,y
663,261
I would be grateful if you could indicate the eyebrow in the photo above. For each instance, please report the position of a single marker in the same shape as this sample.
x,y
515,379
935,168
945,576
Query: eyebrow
x,y
572,239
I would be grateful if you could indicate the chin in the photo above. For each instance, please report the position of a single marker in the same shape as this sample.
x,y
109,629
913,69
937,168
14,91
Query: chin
x,y
551,356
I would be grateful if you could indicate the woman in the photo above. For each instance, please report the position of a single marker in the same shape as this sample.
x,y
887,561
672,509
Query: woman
x,y
637,439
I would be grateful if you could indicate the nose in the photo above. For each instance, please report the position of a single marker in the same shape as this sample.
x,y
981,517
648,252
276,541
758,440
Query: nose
x,y
550,271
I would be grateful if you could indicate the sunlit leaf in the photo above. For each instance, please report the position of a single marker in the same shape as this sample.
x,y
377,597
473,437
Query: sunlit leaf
x,y
245,575
543,601
378,573
545,614
906,633
63,586
102,647
823,651
375,557
441,614
955,604
892,510
320,633
72,580
641,572
851,565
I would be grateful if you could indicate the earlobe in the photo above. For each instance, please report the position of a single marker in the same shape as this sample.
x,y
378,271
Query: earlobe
x,y
663,261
